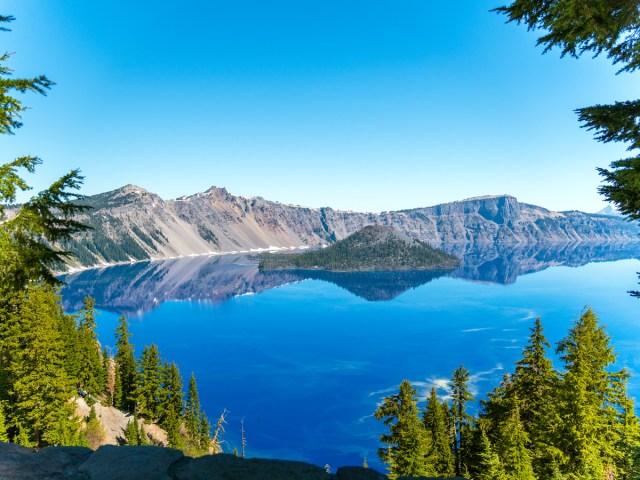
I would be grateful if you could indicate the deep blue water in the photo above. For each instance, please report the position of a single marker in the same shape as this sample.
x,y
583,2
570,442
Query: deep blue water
x,y
305,363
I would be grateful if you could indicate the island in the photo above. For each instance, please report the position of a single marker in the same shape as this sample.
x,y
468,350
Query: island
x,y
373,248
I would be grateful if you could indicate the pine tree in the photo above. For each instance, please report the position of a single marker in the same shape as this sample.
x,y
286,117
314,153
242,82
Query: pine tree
x,y
39,412
192,409
460,396
91,373
149,384
490,467
94,433
407,441
171,391
204,433
628,445
172,426
132,433
588,434
109,369
4,437
126,374
512,449
435,422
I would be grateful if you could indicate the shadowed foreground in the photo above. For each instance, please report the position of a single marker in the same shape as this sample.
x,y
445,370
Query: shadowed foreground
x,y
156,463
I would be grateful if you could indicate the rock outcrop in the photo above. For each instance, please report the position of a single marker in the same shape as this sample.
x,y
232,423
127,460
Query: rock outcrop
x,y
133,224
156,463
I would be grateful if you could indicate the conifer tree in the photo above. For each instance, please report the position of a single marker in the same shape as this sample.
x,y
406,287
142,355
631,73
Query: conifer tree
x,y
126,374
4,437
407,441
91,373
460,396
39,390
109,369
588,435
204,432
435,422
149,383
489,467
132,433
171,395
512,449
533,383
192,409
94,433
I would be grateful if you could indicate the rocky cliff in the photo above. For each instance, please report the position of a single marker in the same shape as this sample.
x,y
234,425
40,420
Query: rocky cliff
x,y
132,224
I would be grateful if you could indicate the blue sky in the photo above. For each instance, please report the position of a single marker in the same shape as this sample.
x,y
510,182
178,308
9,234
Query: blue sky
x,y
356,105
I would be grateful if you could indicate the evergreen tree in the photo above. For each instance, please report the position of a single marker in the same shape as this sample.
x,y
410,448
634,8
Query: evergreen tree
x,y
172,426
149,384
143,438
109,369
204,433
94,433
460,396
192,409
512,449
126,374
628,446
490,467
407,441
91,374
132,433
4,437
586,395
171,391
435,422
39,412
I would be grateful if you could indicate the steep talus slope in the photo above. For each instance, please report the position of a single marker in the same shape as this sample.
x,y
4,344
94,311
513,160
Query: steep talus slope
x,y
132,224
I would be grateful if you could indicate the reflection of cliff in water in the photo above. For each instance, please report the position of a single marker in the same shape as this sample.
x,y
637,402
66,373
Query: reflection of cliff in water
x,y
505,263
140,287
136,288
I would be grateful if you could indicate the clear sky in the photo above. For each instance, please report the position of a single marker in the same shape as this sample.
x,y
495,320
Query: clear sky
x,y
361,105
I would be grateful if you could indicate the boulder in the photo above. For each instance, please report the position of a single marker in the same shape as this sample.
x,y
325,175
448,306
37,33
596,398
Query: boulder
x,y
130,463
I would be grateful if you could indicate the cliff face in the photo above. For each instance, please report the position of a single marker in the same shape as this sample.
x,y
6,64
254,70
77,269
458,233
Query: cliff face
x,y
133,224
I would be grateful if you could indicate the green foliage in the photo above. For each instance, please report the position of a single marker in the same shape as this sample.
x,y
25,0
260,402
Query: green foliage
x,y
596,27
436,424
36,389
490,467
149,384
407,441
126,374
132,433
91,374
460,396
577,424
587,400
94,434
372,248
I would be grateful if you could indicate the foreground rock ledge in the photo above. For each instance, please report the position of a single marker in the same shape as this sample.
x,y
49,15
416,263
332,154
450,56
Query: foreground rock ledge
x,y
157,463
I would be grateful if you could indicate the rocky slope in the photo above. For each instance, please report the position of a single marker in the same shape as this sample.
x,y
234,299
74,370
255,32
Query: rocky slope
x,y
132,224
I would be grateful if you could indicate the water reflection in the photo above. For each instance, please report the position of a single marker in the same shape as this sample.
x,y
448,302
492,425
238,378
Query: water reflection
x,y
140,287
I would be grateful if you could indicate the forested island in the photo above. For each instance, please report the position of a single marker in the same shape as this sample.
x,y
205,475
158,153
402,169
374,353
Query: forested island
x,y
374,248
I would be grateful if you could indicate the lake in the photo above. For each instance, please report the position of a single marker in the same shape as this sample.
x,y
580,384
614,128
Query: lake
x,y
305,358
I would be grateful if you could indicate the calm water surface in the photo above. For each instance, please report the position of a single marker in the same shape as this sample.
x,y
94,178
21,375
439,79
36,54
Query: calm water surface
x,y
305,361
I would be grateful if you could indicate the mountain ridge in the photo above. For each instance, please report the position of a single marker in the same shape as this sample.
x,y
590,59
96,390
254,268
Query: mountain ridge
x,y
132,223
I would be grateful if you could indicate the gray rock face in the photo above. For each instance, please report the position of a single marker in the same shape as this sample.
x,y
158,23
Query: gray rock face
x,y
133,224
156,463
